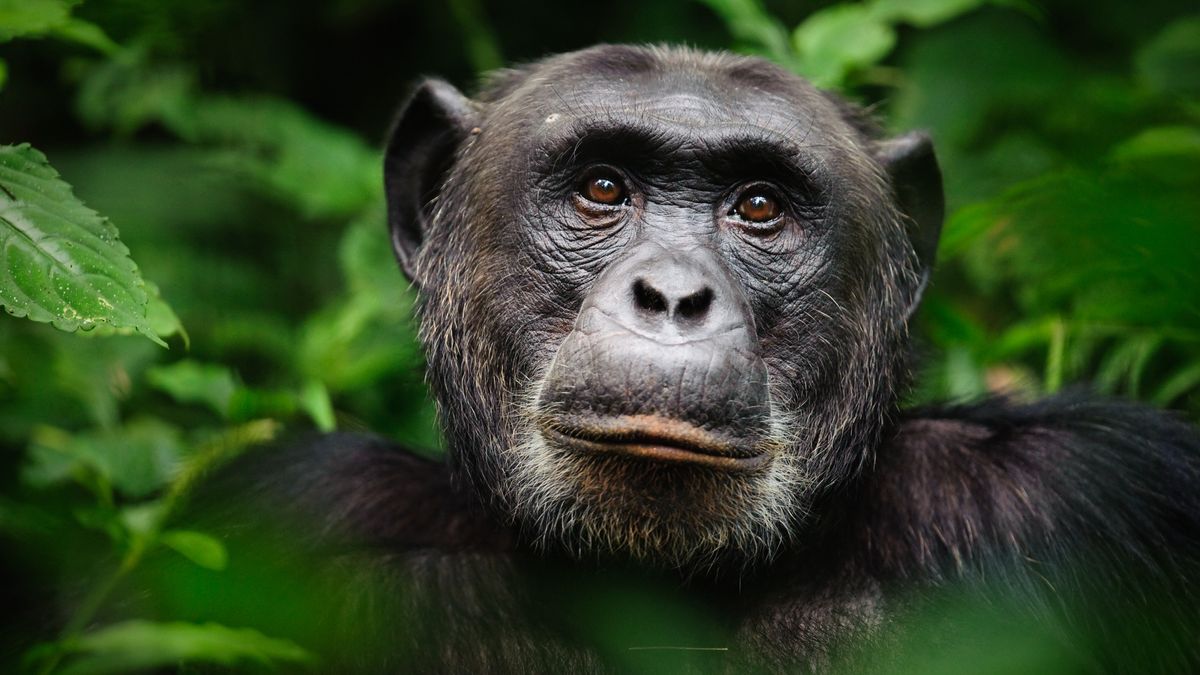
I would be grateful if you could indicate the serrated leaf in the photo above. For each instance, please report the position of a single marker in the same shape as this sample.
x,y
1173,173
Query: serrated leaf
x,y
194,382
198,547
62,263
835,41
137,645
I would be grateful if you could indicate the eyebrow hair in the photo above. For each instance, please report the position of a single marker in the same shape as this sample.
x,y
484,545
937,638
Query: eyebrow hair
x,y
719,150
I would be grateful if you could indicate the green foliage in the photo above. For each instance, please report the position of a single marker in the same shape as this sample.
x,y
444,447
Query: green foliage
x,y
1070,255
138,645
39,18
266,140
32,17
840,41
63,262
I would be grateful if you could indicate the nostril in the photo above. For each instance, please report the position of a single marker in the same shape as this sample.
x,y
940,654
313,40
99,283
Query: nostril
x,y
696,305
647,298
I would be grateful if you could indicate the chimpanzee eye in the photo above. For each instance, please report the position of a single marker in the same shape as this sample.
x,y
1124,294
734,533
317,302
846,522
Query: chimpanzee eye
x,y
603,188
757,207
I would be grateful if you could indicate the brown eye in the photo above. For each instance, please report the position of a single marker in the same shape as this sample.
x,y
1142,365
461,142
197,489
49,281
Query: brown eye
x,y
758,207
603,189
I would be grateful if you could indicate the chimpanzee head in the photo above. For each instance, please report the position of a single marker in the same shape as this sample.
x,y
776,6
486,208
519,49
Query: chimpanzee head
x,y
665,293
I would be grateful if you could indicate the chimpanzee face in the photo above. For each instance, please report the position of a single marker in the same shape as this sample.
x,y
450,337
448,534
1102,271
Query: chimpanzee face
x,y
664,293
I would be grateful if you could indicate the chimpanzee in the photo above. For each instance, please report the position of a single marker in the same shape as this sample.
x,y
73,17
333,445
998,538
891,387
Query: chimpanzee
x,y
665,298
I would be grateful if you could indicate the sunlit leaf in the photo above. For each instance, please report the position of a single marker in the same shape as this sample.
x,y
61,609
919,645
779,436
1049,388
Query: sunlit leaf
x,y
1172,153
198,547
314,400
143,518
193,382
1178,384
1171,62
136,459
751,24
136,645
31,17
838,39
86,33
62,262
922,13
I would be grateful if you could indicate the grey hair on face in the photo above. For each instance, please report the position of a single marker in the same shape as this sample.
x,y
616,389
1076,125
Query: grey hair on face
x,y
553,492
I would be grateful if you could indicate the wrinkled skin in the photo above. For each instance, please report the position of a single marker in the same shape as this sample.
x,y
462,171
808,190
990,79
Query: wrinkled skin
x,y
781,382
664,299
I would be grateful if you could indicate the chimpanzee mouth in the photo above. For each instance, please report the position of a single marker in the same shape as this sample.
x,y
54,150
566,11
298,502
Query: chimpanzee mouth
x,y
653,438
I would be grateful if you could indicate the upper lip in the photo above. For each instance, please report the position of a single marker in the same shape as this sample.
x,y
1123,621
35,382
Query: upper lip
x,y
654,437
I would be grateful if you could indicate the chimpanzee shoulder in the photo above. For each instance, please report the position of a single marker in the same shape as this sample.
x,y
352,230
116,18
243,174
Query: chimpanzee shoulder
x,y
1074,511
973,484
350,490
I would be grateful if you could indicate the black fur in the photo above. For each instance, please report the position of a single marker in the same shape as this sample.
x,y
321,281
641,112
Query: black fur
x,y
1071,523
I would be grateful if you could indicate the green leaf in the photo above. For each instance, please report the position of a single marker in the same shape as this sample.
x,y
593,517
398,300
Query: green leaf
x,y
922,13
274,142
835,41
143,518
193,382
3,73
137,645
136,459
314,400
62,262
1170,63
31,17
87,34
1157,143
1179,384
198,547
750,23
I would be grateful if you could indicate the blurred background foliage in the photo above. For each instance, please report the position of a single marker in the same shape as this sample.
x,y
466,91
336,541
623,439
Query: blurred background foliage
x,y
235,146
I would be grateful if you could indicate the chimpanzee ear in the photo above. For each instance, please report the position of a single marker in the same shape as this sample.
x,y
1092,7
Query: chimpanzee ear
x,y
917,181
420,149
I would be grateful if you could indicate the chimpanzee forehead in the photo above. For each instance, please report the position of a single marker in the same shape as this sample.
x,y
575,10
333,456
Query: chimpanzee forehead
x,y
689,92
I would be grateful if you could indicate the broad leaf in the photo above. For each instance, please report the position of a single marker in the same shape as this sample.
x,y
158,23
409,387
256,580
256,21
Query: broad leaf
x,y
198,547
31,17
61,262
922,13
750,23
136,645
1171,62
837,40
193,382
135,459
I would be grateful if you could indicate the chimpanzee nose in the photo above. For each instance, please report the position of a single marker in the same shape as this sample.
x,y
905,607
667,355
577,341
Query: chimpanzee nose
x,y
670,295
672,299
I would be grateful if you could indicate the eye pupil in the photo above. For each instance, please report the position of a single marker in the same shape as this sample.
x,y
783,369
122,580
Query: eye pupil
x,y
758,208
603,190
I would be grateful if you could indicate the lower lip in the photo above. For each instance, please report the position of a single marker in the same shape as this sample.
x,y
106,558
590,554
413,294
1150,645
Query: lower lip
x,y
662,453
